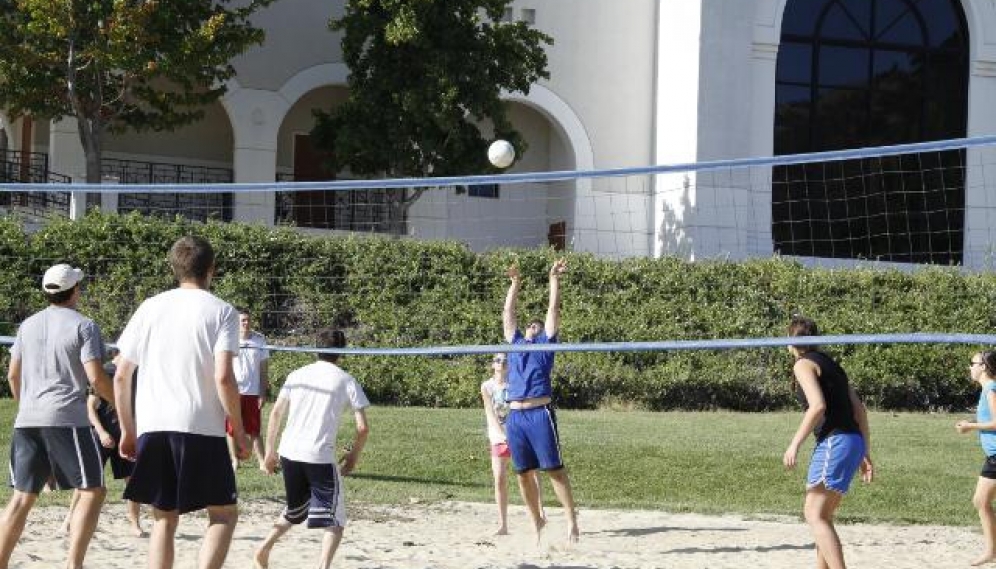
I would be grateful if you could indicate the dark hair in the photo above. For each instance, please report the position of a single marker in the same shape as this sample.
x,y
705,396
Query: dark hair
x,y
62,296
330,338
191,258
989,362
802,326
537,322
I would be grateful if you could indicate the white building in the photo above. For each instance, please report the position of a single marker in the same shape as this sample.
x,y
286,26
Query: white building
x,y
640,82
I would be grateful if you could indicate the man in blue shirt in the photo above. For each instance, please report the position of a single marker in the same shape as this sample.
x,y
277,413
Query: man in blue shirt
x,y
531,426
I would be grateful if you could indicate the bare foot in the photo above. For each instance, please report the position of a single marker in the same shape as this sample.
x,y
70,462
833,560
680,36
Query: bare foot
x,y
539,531
137,531
985,558
261,559
64,528
502,531
573,533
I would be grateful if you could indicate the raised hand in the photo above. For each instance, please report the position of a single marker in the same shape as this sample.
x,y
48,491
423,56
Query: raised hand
x,y
513,273
559,267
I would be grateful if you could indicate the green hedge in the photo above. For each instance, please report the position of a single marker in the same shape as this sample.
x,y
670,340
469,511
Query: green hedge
x,y
391,292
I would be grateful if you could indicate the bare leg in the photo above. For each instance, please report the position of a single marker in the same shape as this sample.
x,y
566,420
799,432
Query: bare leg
x,y
262,555
134,518
985,491
562,488
257,447
161,540
539,494
527,488
84,523
820,506
12,523
218,536
66,523
499,471
233,453
330,543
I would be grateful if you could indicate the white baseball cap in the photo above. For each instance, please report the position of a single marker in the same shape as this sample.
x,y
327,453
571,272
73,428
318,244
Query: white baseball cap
x,y
60,278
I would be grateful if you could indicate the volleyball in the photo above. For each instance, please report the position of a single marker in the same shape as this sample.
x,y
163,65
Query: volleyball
x,y
501,154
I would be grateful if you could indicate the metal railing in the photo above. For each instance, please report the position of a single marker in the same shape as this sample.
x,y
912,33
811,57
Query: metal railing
x,y
371,211
198,207
31,167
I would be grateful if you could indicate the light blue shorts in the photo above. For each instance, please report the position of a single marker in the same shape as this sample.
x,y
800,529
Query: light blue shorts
x,y
835,460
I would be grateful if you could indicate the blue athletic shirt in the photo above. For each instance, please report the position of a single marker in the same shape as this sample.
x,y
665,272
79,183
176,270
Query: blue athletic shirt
x,y
529,372
983,414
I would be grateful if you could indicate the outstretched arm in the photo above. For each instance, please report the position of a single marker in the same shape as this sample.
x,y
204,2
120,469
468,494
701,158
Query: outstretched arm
x,y
508,317
552,324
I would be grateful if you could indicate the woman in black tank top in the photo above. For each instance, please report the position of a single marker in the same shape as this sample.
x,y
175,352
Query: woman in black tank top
x,y
839,422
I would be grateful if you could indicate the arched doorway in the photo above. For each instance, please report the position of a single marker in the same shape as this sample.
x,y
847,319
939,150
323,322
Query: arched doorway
x,y
858,73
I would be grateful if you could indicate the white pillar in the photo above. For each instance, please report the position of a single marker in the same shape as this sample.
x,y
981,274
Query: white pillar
x,y
679,29
980,174
256,116
65,151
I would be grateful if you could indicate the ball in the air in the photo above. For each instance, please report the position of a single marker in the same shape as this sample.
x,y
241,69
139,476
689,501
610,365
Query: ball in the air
x,y
501,154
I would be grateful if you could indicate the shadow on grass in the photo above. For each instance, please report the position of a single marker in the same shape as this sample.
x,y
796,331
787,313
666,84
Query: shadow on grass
x,y
408,479
637,532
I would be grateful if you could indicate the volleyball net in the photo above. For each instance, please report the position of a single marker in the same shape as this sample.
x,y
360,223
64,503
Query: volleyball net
x,y
417,268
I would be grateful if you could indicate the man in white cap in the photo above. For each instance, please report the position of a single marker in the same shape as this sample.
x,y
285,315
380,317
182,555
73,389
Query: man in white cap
x,y
57,352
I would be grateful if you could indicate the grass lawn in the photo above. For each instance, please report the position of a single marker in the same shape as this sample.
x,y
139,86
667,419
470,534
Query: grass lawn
x,y
677,462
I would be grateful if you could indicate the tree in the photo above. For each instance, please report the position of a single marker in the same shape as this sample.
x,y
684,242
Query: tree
x,y
425,75
119,64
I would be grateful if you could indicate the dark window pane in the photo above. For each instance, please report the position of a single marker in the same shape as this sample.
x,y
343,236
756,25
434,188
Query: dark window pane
x,y
894,117
840,24
795,63
800,17
944,21
840,119
898,71
842,66
792,119
906,30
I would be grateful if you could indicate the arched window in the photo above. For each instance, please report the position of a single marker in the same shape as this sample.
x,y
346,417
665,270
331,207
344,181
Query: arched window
x,y
857,73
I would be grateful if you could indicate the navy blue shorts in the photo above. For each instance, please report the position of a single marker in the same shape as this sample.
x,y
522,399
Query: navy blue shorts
x,y
314,493
182,472
533,439
70,456
120,467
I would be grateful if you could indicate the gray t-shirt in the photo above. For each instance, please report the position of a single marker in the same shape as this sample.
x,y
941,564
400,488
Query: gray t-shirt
x,y
53,345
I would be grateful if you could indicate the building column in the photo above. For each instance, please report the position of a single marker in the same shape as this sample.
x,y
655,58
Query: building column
x,y
980,168
679,30
256,116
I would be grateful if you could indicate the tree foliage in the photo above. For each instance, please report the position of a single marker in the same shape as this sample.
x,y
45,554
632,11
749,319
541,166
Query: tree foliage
x,y
120,64
425,75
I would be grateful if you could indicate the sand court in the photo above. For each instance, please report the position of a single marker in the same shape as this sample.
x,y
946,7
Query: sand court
x,y
457,535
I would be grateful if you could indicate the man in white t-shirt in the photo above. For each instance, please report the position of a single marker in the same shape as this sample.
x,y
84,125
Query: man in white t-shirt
x,y
184,341
252,375
314,398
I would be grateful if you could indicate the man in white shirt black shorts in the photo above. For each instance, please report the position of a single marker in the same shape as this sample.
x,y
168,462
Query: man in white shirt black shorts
x,y
57,352
314,398
184,341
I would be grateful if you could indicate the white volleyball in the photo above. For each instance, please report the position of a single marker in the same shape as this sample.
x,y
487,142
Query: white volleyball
x,y
501,154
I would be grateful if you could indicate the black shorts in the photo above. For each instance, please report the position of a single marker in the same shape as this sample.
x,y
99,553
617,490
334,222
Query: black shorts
x,y
182,472
314,493
989,468
70,456
120,467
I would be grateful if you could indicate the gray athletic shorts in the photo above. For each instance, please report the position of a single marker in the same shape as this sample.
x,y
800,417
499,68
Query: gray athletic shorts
x,y
68,456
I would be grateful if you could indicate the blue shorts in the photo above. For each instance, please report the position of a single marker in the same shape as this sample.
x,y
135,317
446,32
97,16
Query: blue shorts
x,y
533,439
314,493
182,472
835,460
